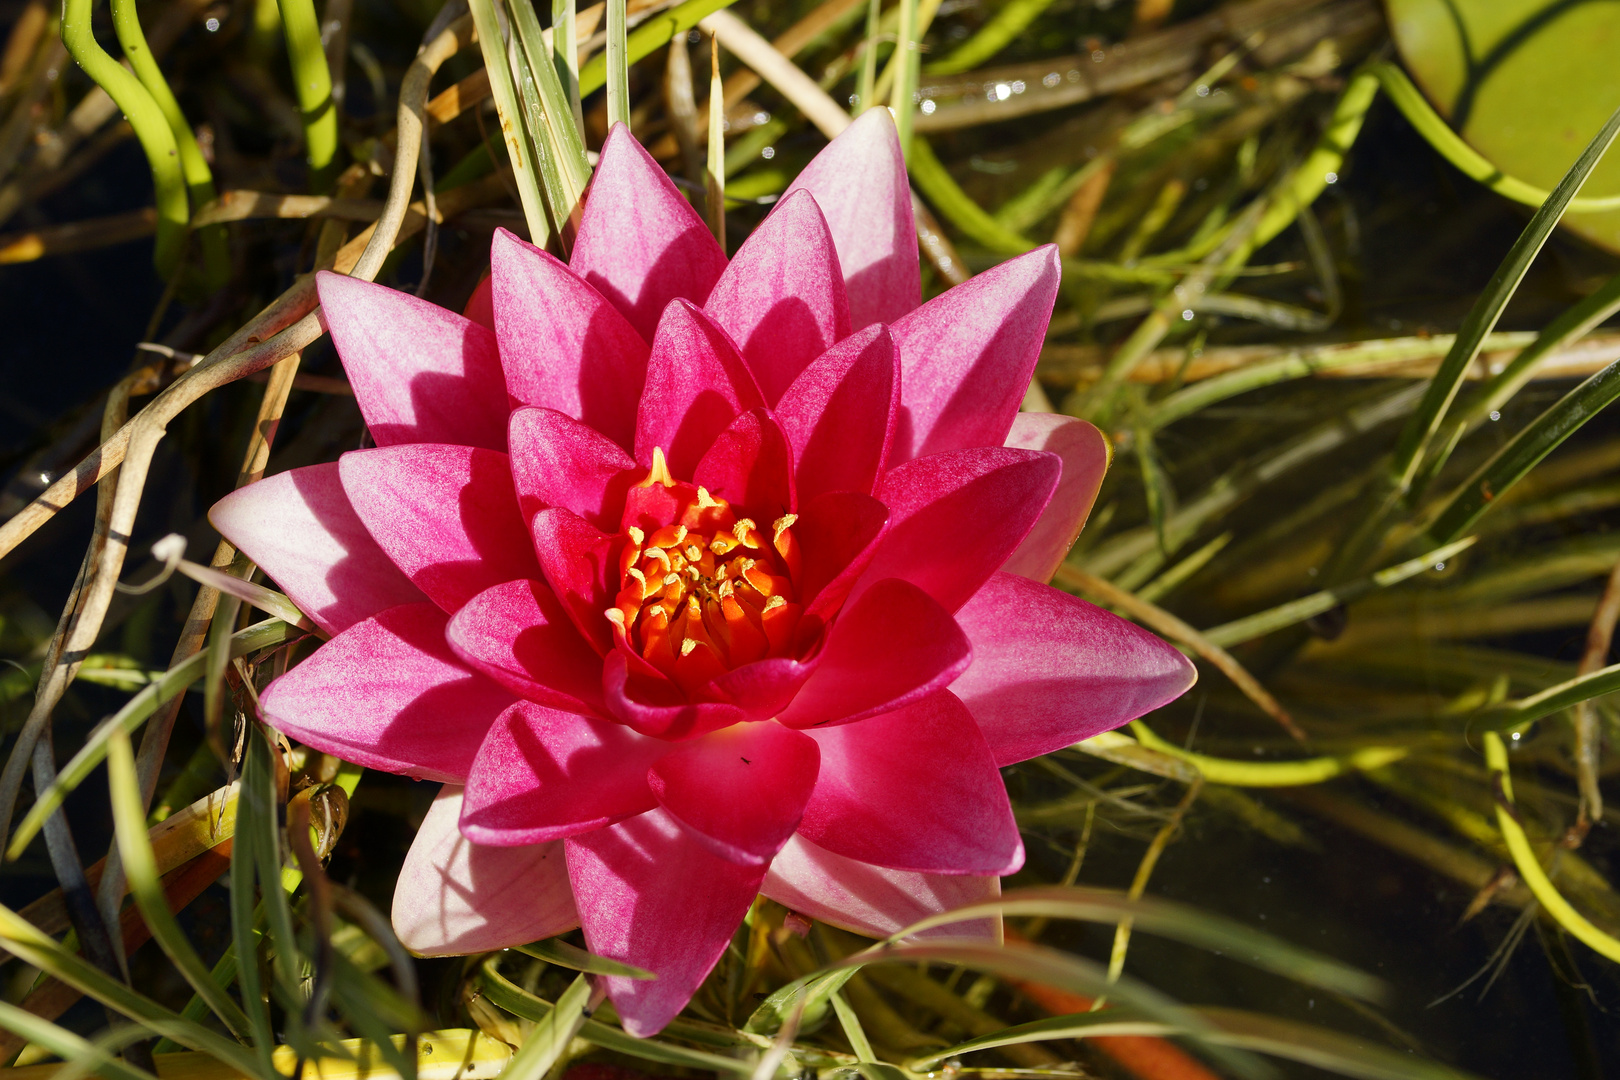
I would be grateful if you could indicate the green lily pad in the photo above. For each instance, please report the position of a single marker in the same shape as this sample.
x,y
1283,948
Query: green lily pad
x,y
1525,82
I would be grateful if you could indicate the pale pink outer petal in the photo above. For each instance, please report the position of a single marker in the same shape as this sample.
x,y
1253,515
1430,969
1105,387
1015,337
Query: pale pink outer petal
x,y
454,897
840,412
640,243
1050,669
543,774
1085,454
860,181
446,515
742,790
874,900
302,531
954,518
652,895
967,356
519,634
563,345
893,646
388,693
782,299
420,373
696,385
558,461
914,789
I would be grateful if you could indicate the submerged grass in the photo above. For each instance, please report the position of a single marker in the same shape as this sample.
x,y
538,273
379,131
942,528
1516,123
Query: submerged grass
x,y
1394,568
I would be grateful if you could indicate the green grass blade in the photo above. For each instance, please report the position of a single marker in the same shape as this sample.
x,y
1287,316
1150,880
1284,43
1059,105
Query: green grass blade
x,y
1002,29
1512,714
135,848
1307,607
262,635
39,950
1088,1025
1572,325
259,814
562,954
853,1031
1049,967
550,1037
518,151
618,66
78,1053
1422,425
1510,464
567,149
648,38
505,994
1179,923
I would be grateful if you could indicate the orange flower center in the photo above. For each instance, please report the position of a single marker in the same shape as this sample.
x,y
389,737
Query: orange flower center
x,y
710,591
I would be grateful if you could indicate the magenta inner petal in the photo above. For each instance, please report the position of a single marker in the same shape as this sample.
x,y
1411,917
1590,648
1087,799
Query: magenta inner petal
x,y
955,518
696,385
446,515
519,635
420,373
640,243
558,461
580,563
543,774
915,789
1050,669
782,299
653,705
840,414
1084,452
563,346
741,791
750,465
388,693
892,646
651,894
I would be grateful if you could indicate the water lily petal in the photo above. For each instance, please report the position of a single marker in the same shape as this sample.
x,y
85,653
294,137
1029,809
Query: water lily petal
x,y
860,181
955,518
650,703
640,243
750,466
839,414
763,688
782,299
420,373
741,791
892,646
874,900
579,563
454,897
519,634
562,344
446,515
838,533
914,789
302,531
388,693
543,774
1050,669
481,304
651,894
558,461
696,386
1085,454
968,354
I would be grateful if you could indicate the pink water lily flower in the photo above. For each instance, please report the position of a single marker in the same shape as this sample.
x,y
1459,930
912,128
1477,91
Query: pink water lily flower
x,y
696,579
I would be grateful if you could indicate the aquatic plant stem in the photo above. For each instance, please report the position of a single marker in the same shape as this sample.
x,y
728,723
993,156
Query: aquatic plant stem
x,y
193,166
618,66
904,64
151,128
1529,867
1270,773
312,84
714,173
866,86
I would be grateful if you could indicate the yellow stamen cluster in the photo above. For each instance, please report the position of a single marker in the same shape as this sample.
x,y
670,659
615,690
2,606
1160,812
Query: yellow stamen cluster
x,y
708,593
